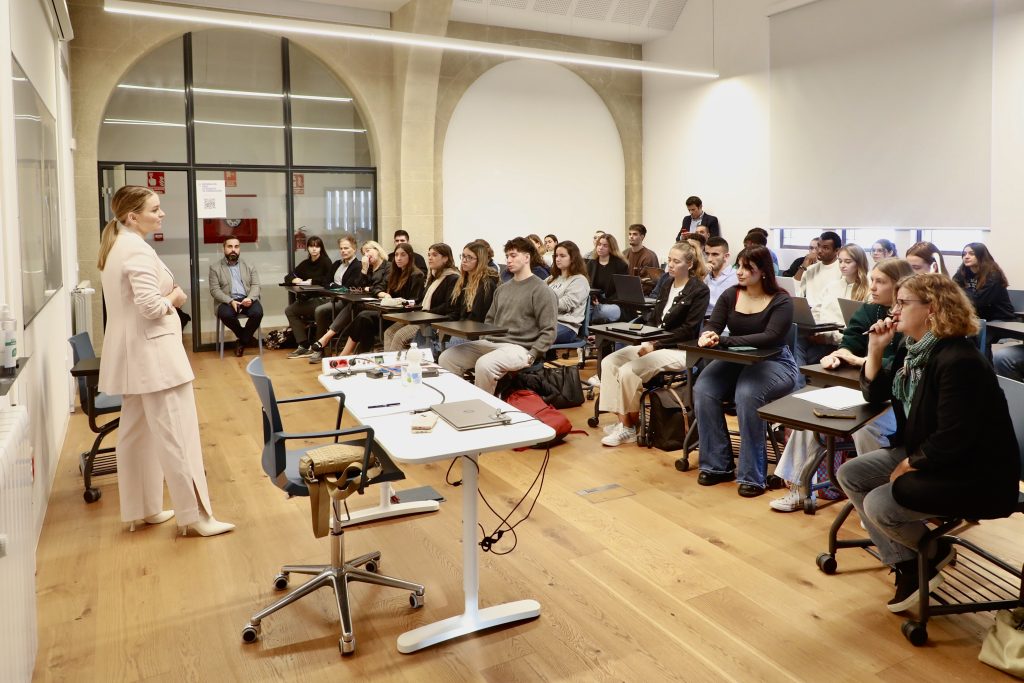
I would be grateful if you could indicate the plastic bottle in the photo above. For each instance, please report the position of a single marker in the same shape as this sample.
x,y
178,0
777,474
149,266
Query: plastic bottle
x,y
414,371
8,335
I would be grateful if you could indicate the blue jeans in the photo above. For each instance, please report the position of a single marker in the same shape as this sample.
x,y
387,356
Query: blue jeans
x,y
605,313
750,386
1009,361
565,335
808,353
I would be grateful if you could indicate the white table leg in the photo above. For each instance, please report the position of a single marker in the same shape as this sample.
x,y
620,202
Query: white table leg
x,y
473,618
385,508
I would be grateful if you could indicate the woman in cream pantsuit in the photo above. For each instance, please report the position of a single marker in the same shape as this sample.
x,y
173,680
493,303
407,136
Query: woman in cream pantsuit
x,y
143,360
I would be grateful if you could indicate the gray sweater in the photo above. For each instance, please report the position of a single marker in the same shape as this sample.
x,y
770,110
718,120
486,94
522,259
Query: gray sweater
x,y
572,294
527,308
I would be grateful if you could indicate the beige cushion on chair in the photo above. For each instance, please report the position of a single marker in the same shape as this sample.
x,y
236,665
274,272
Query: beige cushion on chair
x,y
332,471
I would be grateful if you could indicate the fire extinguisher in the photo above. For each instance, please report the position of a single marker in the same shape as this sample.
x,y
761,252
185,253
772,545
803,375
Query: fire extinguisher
x,y
300,239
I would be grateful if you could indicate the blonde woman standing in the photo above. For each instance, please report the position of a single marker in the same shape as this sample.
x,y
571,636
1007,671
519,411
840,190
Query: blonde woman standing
x,y
144,361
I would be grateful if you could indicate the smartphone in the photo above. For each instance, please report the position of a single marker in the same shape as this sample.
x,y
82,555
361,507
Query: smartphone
x,y
636,327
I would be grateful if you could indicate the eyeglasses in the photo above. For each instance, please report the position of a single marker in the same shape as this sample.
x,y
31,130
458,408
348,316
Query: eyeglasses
x,y
900,303
468,257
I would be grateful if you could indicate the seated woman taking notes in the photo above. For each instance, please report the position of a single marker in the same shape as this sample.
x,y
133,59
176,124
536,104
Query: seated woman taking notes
x,y
571,287
954,452
680,310
757,313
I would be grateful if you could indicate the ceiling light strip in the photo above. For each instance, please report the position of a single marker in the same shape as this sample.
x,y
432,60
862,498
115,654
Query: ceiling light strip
x,y
233,93
281,25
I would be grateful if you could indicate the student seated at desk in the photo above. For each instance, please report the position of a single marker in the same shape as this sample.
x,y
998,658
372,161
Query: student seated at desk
x,y
474,291
804,445
317,271
569,283
607,262
525,306
757,313
372,278
984,283
344,273
405,281
680,310
436,298
954,452
537,265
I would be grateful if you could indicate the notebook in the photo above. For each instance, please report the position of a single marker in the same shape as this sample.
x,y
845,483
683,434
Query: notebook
x,y
471,414
629,289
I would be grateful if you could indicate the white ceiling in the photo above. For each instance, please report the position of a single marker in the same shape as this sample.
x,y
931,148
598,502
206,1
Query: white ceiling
x,y
628,21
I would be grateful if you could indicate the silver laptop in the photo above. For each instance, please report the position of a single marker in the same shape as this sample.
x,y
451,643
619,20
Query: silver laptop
x,y
472,414
629,289
787,283
802,315
849,307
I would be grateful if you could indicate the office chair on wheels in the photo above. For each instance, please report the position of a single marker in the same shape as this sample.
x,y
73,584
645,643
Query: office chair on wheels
x,y
96,460
282,466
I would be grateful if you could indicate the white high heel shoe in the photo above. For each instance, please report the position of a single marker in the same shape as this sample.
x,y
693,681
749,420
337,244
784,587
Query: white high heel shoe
x,y
158,518
207,526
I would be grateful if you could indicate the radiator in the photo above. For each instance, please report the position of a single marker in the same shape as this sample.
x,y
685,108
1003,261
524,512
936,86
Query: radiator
x,y
18,639
82,296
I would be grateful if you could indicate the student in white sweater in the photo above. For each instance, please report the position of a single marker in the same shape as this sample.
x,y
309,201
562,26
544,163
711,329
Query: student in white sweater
x,y
572,288
812,281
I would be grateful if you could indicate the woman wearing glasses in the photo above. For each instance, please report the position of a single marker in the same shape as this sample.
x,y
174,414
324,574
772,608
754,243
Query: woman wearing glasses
x,y
882,249
954,452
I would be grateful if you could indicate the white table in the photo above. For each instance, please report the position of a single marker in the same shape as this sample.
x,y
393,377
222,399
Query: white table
x,y
391,426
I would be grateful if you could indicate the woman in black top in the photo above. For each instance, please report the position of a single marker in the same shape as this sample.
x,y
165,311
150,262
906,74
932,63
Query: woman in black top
x,y
437,299
985,283
317,270
757,313
474,291
680,310
954,452
607,262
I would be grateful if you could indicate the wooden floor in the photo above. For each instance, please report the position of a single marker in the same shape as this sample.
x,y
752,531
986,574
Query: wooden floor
x,y
665,580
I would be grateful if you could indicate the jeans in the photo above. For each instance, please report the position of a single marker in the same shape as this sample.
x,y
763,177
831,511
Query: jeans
x,y
894,529
565,335
1009,361
605,313
750,386
808,353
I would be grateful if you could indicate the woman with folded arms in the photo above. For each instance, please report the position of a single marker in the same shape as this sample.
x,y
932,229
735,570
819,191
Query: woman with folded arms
x,y
569,283
758,313
436,298
607,262
804,445
954,452
315,270
679,310
985,283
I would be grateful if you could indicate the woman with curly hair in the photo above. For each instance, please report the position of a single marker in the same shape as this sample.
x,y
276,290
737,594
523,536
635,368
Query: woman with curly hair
x,y
954,452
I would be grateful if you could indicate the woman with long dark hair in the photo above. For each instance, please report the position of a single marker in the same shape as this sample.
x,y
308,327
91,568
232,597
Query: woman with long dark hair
x,y
436,297
925,257
315,270
569,283
985,283
759,313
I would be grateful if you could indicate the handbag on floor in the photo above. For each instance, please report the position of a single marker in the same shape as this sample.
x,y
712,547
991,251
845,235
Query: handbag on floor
x,y
666,425
1003,647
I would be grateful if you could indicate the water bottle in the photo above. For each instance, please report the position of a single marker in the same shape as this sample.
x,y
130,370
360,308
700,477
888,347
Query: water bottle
x,y
414,371
9,339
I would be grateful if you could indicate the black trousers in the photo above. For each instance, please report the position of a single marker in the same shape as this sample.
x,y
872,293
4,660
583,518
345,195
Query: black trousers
x,y
233,322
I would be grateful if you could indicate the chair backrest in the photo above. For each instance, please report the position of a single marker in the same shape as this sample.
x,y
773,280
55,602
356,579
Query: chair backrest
x,y
275,458
585,327
1016,298
81,349
1014,392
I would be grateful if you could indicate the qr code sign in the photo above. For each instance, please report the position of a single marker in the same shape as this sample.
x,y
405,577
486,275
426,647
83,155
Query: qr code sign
x,y
209,203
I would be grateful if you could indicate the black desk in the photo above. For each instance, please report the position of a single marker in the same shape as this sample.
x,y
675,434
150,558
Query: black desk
x,y
1003,328
89,369
843,376
797,413
382,309
807,330
414,317
467,329
613,332
7,381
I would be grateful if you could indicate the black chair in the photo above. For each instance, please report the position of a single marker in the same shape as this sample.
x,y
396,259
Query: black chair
x,y
282,466
977,581
96,461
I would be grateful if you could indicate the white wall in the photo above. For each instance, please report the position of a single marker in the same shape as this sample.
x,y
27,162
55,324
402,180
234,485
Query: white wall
x,y
531,148
1008,139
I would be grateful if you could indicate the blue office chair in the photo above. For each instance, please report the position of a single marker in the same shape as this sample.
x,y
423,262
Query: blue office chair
x,y
580,343
282,466
96,461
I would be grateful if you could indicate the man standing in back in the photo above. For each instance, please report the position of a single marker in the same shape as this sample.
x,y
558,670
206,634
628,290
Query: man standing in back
x,y
235,286
696,217
527,307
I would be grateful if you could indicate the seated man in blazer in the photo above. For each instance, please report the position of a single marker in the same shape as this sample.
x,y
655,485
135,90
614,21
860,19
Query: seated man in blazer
x,y
235,286
698,221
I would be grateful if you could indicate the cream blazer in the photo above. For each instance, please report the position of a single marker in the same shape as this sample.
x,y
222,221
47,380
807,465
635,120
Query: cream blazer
x,y
142,349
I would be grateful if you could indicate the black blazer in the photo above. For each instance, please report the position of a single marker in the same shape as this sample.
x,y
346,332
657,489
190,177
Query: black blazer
x,y
991,301
709,221
684,317
477,311
352,274
958,437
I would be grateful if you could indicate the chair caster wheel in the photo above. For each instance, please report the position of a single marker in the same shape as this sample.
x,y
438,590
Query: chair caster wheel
x,y
827,563
250,633
281,581
347,647
683,464
810,506
592,422
373,566
915,632
415,600
92,495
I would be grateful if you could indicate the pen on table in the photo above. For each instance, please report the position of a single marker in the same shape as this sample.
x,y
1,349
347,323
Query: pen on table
x,y
383,405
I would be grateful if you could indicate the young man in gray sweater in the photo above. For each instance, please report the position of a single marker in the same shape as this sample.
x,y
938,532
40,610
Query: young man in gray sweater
x,y
527,307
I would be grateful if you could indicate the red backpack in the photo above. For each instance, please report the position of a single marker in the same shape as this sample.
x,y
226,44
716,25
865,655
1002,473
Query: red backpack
x,y
532,404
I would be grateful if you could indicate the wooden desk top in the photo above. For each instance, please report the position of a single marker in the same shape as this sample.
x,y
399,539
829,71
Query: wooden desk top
x,y
413,317
469,329
798,414
618,332
843,376
1007,328
378,306
304,289
724,353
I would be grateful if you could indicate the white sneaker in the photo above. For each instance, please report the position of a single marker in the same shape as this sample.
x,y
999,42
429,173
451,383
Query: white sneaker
x,y
791,502
610,429
594,381
620,436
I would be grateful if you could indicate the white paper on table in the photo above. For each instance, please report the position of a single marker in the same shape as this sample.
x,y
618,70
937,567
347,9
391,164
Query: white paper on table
x,y
835,398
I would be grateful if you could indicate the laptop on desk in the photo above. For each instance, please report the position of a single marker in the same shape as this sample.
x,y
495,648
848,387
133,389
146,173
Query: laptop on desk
x,y
804,319
849,307
787,283
630,290
471,414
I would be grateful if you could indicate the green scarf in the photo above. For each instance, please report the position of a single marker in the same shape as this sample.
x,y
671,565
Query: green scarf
x,y
905,382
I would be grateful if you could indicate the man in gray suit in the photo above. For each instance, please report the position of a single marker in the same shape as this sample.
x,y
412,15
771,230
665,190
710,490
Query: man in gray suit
x,y
235,286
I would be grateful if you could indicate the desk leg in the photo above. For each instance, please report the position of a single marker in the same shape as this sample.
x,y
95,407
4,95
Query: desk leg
x,y
473,618
385,508
596,420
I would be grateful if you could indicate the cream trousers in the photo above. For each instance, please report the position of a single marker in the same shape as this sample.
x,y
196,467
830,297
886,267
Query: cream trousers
x,y
624,373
